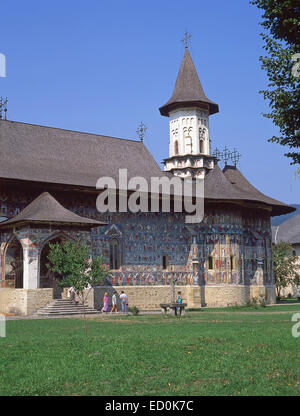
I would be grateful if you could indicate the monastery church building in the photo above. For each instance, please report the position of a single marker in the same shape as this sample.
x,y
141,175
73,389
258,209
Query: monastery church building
x,y
48,194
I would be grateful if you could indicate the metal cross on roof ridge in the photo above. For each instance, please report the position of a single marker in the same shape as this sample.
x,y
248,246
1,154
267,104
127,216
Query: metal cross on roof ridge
x,y
235,156
187,39
141,130
217,153
226,155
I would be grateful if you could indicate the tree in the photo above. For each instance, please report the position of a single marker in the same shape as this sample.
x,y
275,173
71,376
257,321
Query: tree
x,y
74,264
282,64
284,267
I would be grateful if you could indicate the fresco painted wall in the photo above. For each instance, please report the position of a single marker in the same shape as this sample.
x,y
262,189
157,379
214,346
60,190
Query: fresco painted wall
x,y
146,237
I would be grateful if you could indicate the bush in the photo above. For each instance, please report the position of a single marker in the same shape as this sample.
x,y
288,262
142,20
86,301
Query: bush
x,y
262,302
134,310
252,302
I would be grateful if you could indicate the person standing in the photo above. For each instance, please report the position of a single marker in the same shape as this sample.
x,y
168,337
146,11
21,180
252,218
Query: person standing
x,y
114,303
105,303
124,301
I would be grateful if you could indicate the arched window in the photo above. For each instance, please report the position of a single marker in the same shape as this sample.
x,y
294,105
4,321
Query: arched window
x,y
210,263
232,263
294,252
176,148
114,254
164,262
201,146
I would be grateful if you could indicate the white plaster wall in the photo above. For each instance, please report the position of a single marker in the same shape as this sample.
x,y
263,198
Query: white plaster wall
x,y
187,122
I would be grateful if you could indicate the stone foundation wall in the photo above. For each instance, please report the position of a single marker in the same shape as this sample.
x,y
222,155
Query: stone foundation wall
x,y
28,301
149,298
13,301
38,298
24,301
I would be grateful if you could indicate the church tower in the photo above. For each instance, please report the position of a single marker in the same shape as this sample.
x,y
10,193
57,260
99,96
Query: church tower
x,y
188,110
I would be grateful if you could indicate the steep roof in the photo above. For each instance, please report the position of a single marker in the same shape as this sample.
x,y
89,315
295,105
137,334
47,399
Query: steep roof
x,y
217,186
45,154
238,180
288,231
232,185
45,209
55,156
188,89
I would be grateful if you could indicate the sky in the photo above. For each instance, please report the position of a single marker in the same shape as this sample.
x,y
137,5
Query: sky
x,y
104,66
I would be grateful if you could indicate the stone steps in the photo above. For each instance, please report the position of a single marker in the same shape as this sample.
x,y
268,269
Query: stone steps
x,y
64,307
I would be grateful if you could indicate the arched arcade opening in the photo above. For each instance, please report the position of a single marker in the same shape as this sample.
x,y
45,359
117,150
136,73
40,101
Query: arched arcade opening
x,y
14,264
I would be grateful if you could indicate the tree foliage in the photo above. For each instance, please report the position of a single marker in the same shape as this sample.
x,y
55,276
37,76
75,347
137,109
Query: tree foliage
x,y
284,267
74,264
282,65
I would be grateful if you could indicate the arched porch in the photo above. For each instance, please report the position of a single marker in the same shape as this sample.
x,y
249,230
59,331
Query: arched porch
x,y
13,264
47,278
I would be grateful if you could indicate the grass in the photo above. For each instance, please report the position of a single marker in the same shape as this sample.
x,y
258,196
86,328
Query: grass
x,y
240,352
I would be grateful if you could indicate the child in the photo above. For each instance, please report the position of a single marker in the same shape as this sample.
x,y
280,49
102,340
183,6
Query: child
x,y
179,298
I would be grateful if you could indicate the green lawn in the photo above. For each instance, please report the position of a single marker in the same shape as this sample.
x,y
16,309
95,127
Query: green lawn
x,y
244,351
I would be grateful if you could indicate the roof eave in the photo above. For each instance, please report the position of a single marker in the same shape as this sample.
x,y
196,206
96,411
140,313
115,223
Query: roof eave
x,y
12,224
168,107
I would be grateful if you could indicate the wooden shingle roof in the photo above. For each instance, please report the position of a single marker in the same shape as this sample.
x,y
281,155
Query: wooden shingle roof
x,y
188,90
46,210
35,153
248,192
46,154
288,231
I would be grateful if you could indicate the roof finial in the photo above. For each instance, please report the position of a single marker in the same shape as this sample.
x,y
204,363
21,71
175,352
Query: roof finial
x,y
235,156
226,155
141,131
187,39
3,107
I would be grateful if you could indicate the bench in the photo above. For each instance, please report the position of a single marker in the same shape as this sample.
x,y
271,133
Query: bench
x,y
174,308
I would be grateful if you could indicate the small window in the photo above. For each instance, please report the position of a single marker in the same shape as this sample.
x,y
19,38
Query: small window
x,y
164,262
114,254
294,252
210,263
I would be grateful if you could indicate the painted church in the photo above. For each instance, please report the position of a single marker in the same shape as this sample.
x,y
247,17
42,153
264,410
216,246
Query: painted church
x,y
48,194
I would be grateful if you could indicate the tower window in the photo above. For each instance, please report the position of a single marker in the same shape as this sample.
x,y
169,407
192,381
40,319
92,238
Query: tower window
x,y
114,254
201,146
176,148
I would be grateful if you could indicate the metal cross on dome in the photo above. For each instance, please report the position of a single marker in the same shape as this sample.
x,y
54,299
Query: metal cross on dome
x,y
141,130
187,39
